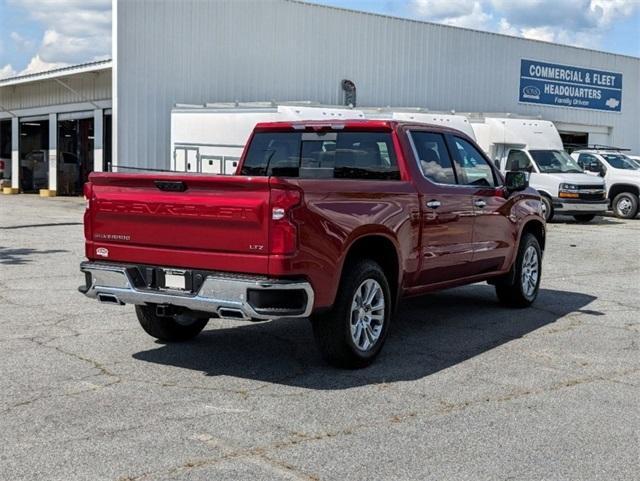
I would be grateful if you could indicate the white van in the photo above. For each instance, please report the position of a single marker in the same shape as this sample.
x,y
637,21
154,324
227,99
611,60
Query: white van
x,y
453,121
535,146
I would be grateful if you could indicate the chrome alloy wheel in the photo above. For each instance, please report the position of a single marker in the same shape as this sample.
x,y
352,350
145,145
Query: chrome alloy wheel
x,y
367,314
625,206
530,271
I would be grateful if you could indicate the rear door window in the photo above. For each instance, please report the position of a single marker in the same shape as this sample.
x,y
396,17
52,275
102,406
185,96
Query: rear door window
x,y
337,155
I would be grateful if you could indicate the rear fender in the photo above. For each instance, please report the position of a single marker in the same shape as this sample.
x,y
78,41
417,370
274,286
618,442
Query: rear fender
x,y
377,232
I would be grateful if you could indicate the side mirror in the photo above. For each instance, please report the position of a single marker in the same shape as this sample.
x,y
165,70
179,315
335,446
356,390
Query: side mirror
x,y
596,167
516,181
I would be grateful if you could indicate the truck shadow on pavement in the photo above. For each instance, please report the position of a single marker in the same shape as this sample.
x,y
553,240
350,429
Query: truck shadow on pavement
x,y
18,257
604,220
430,334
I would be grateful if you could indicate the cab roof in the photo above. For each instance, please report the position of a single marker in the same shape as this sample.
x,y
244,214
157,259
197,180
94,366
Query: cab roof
x,y
351,124
601,151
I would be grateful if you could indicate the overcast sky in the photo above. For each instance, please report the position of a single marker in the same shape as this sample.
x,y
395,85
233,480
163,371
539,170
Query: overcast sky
x,y
37,35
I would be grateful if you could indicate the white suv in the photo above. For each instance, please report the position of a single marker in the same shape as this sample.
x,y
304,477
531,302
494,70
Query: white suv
x,y
621,175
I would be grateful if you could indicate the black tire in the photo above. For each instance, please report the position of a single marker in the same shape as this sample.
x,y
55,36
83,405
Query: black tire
x,y
584,217
547,208
510,290
333,329
174,328
625,205
26,180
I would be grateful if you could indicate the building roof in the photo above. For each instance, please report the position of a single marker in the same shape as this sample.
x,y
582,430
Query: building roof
x,y
446,26
58,72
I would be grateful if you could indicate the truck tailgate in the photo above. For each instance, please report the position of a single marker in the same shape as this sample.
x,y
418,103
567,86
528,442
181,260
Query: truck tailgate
x,y
205,222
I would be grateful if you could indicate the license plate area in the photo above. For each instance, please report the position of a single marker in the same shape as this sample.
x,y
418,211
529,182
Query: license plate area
x,y
175,280
167,278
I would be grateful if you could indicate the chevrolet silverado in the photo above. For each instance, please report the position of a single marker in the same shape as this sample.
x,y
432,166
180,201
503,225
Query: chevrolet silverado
x,y
332,221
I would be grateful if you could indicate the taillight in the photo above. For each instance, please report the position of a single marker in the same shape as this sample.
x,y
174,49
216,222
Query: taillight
x,y
88,193
283,233
1,164
87,190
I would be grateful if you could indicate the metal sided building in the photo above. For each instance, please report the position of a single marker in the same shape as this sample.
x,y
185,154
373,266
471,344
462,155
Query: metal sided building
x,y
55,128
170,52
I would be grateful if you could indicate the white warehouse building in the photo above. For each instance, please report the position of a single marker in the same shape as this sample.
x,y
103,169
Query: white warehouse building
x,y
194,52
170,52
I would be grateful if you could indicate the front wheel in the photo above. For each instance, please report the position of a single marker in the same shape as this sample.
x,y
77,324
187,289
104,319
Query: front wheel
x,y
352,333
584,217
625,205
521,285
170,328
547,208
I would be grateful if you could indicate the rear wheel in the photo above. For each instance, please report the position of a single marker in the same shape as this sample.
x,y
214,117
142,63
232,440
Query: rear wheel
x,y
584,217
625,205
547,208
352,333
520,287
170,328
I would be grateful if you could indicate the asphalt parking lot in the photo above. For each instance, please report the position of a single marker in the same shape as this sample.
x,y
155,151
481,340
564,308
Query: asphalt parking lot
x,y
464,390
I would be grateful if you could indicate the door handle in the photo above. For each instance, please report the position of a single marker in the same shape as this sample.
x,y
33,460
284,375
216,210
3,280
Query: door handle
x,y
433,204
480,203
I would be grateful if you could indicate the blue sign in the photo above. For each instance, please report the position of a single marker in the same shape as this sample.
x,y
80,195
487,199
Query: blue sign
x,y
565,86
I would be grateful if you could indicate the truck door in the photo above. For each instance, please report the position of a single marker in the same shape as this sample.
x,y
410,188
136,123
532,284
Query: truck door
x,y
446,212
492,229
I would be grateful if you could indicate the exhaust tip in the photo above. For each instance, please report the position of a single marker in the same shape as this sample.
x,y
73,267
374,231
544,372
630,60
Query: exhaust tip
x,y
109,299
231,313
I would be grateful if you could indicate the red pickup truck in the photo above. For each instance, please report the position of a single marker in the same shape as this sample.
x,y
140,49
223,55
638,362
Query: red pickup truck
x,y
332,221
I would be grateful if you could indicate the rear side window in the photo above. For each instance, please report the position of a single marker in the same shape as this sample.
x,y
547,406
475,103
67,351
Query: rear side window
x,y
337,155
36,155
433,157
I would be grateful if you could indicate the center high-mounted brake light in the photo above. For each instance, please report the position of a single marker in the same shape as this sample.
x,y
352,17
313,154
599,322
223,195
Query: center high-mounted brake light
x,y
319,127
283,232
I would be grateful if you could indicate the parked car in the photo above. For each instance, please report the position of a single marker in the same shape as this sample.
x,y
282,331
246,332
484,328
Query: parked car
x,y
5,169
336,221
34,171
621,174
635,159
535,146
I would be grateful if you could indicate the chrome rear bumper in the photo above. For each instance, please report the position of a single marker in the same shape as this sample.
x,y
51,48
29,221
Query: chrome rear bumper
x,y
224,295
